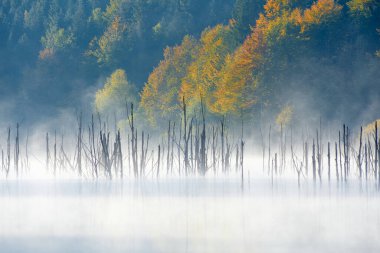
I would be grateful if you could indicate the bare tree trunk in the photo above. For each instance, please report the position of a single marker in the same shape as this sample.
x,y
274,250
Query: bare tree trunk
x,y
328,161
336,162
168,154
142,161
360,153
242,161
376,150
319,158
269,154
222,123
313,161
17,150
79,146
366,161
203,167
119,154
214,133
340,158
159,157
306,159
104,139
8,151
55,153
47,152
262,146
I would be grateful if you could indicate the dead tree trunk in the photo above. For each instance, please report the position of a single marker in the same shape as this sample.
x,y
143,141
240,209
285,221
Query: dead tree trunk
x,y
17,150
104,139
306,159
262,146
8,151
360,153
203,164
79,146
376,150
328,161
119,154
185,138
168,152
130,118
55,153
340,158
159,157
336,162
319,158
269,154
366,161
222,123
314,163
47,152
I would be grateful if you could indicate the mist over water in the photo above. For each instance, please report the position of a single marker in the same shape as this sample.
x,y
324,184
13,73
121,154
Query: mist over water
x,y
212,214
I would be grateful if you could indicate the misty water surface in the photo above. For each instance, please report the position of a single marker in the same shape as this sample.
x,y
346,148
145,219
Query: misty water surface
x,y
188,215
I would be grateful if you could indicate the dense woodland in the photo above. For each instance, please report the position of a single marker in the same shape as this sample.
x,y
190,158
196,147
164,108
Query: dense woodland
x,y
245,58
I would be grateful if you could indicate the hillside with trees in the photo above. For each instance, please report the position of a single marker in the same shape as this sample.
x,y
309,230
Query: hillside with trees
x,y
54,52
318,57
239,58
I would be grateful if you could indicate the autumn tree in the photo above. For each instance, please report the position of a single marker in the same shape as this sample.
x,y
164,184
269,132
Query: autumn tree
x,y
104,47
203,74
160,93
55,40
117,91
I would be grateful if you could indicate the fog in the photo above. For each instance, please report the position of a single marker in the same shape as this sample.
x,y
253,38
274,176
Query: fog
x,y
188,215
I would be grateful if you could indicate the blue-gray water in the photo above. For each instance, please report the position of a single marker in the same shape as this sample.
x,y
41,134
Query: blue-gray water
x,y
188,215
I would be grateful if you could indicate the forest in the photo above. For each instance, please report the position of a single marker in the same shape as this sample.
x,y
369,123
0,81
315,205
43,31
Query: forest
x,y
243,59
194,81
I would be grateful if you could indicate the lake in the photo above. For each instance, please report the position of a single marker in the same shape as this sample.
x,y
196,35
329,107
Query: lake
x,y
188,215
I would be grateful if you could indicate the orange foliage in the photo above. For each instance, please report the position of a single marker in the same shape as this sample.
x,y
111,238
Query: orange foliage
x,y
320,12
237,83
203,75
226,77
46,53
159,96
273,8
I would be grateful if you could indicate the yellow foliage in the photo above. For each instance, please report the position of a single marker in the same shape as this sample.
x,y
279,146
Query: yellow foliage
x,y
273,8
370,128
115,93
236,89
203,75
285,116
160,93
321,11
222,74
104,46
361,7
